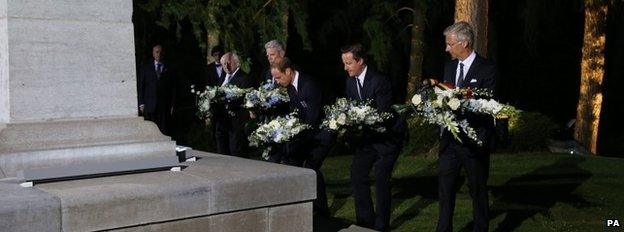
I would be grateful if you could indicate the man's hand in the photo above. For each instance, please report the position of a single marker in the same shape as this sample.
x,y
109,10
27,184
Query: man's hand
x,y
141,109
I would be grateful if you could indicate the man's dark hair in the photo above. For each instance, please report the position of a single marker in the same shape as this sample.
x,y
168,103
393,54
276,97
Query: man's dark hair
x,y
217,48
282,64
358,51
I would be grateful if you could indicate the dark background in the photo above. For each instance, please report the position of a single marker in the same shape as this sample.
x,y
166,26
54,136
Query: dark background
x,y
536,44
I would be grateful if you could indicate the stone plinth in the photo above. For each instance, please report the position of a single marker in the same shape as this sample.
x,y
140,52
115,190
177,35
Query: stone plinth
x,y
66,59
68,86
215,193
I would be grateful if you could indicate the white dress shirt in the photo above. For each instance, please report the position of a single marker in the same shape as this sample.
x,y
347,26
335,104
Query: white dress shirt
x,y
467,63
295,81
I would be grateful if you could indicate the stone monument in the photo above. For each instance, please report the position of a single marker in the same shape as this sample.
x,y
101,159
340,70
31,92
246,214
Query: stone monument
x,y
68,98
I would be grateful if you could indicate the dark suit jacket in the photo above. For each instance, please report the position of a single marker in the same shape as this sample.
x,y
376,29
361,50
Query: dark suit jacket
x,y
266,75
307,100
378,88
482,74
240,79
154,92
212,77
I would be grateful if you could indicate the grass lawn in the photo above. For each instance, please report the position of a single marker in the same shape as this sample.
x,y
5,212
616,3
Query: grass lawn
x,y
528,192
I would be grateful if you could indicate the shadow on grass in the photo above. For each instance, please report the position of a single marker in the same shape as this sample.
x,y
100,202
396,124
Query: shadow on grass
x,y
423,185
523,197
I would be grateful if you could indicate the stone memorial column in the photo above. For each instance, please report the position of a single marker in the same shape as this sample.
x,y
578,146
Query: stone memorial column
x,y
68,86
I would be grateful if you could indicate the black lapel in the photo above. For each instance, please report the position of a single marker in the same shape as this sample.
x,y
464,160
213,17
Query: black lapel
x,y
452,72
368,83
236,78
474,66
301,83
221,78
152,70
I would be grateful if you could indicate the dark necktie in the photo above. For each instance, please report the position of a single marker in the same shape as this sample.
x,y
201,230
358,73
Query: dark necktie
x,y
460,80
291,89
158,69
222,77
359,88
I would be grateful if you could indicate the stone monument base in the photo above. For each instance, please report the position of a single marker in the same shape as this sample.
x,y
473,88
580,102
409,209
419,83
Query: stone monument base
x,y
215,193
32,145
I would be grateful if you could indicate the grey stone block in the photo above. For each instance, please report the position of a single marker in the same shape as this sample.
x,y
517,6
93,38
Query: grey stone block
x,y
191,224
248,221
88,63
59,50
129,200
287,218
213,185
84,10
28,209
4,71
48,144
243,183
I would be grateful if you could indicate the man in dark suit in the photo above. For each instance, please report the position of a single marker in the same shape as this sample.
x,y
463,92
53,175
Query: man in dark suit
x,y
274,52
155,91
230,129
467,70
310,148
214,71
378,150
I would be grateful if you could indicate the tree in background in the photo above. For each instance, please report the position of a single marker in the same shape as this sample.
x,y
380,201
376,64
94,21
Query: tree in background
x,y
592,73
475,12
241,26
417,48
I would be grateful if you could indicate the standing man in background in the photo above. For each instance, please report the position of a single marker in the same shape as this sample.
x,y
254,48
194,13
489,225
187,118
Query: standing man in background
x,y
214,71
155,90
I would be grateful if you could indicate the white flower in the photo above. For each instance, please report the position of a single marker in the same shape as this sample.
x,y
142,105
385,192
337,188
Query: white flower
x,y
342,119
333,125
291,122
249,104
416,99
273,124
439,101
454,103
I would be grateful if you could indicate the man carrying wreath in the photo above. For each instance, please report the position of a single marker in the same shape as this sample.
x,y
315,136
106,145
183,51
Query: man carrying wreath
x,y
375,150
467,70
310,149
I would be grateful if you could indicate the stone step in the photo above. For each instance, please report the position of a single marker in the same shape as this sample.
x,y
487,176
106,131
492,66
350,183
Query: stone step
x,y
12,163
215,193
74,142
29,136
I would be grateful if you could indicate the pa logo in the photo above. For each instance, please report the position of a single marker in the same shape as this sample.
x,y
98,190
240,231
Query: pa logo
x,y
613,223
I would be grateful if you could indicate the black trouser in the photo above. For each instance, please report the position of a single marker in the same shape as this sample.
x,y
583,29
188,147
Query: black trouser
x,y
230,136
312,154
381,155
476,162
